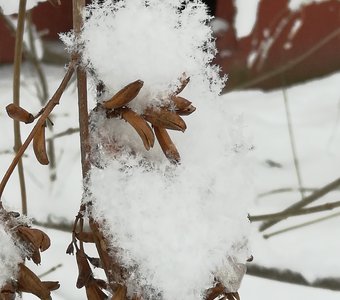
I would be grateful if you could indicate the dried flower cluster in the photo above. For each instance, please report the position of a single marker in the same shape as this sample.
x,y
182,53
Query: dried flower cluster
x,y
30,242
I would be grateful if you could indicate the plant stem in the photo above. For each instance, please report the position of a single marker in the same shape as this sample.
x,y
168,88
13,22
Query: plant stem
x,y
78,7
304,202
292,277
46,111
269,235
16,97
285,215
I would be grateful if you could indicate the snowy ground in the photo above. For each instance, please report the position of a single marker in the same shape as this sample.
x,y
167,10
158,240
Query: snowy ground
x,y
312,250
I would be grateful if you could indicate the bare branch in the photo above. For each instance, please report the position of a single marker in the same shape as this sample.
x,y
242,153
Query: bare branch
x,y
304,202
289,276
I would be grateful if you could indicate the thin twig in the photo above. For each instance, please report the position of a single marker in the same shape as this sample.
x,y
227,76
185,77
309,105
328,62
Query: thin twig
x,y
285,190
304,202
16,97
50,270
46,111
68,131
292,142
269,235
288,65
289,276
287,214
61,226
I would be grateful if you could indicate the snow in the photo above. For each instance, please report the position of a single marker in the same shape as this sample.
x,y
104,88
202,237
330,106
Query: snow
x,y
152,208
10,257
296,4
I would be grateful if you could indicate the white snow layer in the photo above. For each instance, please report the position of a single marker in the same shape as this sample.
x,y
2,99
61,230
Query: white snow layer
x,y
9,257
296,4
12,7
180,225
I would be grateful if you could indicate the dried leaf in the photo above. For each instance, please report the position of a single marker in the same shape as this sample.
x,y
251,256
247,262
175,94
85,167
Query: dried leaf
x,y
161,117
39,145
19,114
30,283
183,106
86,237
124,96
120,293
84,269
140,125
168,147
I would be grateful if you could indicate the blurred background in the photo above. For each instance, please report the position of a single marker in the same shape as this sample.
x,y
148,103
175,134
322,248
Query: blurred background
x,y
282,58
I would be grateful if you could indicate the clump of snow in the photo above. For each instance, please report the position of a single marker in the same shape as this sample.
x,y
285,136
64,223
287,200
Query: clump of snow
x,y
10,256
12,7
176,227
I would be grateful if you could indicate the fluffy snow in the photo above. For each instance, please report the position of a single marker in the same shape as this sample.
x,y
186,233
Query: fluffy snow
x,y
10,257
296,4
180,225
11,7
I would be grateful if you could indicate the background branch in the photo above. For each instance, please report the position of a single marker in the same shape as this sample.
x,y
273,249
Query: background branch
x,y
16,98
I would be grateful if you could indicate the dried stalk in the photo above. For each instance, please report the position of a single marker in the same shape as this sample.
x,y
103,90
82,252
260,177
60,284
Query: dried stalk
x,y
16,97
304,202
292,142
269,235
45,113
287,214
292,277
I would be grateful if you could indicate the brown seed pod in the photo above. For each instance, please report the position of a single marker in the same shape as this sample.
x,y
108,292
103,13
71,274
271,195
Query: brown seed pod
x,y
30,283
183,106
19,114
39,145
184,81
140,125
161,117
51,285
36,237
84,269
168,147
124,96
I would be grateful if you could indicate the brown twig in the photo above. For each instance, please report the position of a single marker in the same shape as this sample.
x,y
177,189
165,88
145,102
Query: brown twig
x,y
68,131
304,202
16,97
287,214
51,270
285,190
46,111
